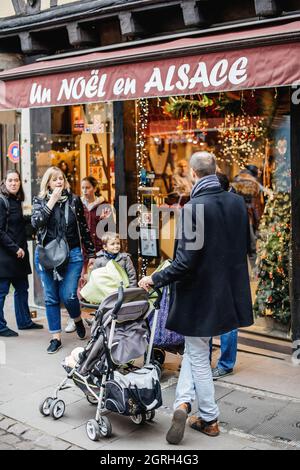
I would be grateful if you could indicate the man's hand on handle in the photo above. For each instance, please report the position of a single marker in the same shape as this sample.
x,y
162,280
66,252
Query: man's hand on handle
x,y
146,283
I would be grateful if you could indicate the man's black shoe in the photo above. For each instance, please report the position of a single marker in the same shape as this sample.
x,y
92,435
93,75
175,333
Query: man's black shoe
x,y
80,329
32,326
54,346
8,332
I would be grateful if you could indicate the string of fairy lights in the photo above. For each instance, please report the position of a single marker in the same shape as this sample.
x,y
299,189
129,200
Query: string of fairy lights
x,y
239,138
142,121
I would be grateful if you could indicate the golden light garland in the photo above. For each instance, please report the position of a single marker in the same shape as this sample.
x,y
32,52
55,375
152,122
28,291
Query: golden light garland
x,y
239,136
142,116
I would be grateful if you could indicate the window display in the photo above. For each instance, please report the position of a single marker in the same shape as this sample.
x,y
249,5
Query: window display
x,y
248,132
85,150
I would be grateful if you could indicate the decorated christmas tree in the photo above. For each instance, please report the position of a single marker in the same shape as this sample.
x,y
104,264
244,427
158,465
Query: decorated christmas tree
x,y
273,243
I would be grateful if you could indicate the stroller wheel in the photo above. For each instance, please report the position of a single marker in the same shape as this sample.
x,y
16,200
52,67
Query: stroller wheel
x,y
92,400
139,419
150,415
57,409
105,427
159,355
93,430
45,406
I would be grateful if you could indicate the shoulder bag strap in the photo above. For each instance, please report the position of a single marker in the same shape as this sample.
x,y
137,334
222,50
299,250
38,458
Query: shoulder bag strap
x,y
6,203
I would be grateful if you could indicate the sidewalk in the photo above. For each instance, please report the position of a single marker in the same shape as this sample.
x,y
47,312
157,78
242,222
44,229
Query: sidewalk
x,y
259,404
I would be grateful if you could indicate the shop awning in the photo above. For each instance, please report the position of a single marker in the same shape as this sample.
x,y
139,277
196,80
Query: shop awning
x,y
250,58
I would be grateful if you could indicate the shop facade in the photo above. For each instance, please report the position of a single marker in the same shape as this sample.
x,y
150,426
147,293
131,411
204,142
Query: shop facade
x,y
131,117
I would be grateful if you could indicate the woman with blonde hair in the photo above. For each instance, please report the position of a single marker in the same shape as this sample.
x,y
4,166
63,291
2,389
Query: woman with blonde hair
x,y
58,215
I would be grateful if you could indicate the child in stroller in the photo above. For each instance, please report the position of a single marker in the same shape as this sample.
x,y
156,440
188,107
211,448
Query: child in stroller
x,y
119,334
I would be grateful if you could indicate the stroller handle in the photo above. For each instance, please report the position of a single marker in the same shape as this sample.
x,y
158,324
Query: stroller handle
x,y
159,297
119,301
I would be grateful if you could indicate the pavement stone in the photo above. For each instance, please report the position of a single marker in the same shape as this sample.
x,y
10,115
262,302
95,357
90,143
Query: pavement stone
x,y
51,443
31,435
18,429
10,439
6,447
26,445
6,423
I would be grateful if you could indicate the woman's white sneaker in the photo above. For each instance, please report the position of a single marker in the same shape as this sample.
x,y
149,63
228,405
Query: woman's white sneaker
x,y
70,326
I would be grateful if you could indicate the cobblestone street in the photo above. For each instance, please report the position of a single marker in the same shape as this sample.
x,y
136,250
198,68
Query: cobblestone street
x,y
17,436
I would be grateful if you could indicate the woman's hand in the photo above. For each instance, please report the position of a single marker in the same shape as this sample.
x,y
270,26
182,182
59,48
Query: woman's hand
x,y
105,213
55,196
91,263
20,253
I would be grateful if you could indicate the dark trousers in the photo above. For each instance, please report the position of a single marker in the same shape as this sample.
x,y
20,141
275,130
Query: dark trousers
x,y
20,299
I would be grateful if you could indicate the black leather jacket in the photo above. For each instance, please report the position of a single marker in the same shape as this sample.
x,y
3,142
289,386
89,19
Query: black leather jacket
x,y
44,218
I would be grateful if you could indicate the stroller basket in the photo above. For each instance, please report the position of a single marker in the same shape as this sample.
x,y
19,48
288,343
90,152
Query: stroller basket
x,y
134,393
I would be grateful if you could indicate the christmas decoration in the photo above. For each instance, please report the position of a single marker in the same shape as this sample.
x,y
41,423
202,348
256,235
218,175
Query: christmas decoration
x,y
272,296
181,107
142,113
241,139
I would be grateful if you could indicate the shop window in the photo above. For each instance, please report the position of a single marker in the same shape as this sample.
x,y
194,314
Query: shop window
x,y
249,133
80,142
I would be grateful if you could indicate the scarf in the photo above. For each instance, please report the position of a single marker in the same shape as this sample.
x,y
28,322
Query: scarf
x,y
63,198
207,182
110,255
90,206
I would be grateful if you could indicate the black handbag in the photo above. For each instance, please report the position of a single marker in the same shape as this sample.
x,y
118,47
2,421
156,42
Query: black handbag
x,y
55,255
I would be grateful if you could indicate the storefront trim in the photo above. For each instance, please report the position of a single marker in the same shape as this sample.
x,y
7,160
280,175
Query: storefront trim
x,y
215,72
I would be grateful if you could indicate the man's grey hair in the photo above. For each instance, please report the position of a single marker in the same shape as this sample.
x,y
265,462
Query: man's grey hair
x,y
203,164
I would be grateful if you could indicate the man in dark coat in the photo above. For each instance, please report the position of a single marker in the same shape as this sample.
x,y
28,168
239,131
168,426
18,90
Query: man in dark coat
x,y
210,289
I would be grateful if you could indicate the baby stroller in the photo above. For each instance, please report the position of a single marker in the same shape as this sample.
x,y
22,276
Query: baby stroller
x,y
104,371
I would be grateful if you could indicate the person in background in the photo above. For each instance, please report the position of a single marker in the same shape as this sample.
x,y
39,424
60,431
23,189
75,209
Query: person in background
x,y
95,209
247,186
14,256
58,212
229,341
112,251
64,167
182,183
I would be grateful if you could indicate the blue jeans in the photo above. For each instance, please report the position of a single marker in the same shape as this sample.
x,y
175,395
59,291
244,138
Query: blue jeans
x,y
64,291
20,300
228,354
195,378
